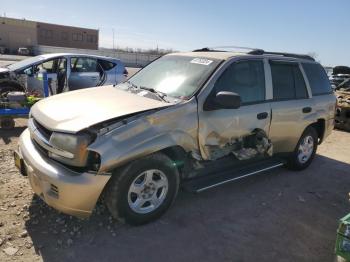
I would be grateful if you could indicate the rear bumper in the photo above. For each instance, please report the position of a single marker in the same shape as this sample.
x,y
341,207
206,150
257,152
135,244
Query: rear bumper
x,y
328,128
61,188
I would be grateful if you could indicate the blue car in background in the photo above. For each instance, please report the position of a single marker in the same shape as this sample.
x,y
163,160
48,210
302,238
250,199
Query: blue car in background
x,y
65,71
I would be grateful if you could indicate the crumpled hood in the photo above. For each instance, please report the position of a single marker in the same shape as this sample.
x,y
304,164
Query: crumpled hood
x,y
73,111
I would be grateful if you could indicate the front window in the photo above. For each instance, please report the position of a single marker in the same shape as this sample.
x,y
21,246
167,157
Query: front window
x,y
175,75
245,78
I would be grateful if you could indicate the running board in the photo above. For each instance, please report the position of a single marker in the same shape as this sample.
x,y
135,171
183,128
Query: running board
x,y
206,182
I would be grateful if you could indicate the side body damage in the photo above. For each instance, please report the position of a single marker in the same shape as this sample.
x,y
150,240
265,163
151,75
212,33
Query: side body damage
x,y
149,134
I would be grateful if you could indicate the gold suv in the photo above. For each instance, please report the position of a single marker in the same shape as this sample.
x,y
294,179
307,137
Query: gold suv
x,y
197,119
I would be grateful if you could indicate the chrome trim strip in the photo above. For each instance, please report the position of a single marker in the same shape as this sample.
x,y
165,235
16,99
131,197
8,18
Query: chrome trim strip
x,y
236,178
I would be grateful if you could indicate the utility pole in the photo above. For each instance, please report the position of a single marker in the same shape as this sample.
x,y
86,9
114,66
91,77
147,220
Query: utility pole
x,y
113,37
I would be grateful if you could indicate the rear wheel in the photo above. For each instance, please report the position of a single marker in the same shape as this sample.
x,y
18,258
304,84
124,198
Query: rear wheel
x,y
143,190
305,150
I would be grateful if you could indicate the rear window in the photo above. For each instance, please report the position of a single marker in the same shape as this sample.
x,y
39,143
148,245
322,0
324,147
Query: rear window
x,y
106,65
318,79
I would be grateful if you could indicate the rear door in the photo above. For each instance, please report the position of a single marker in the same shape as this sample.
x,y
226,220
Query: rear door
x,y
220,128
109,76
292,108
84,72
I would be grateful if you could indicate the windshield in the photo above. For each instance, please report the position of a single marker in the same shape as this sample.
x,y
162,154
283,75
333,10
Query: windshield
x,y
175,75
25,63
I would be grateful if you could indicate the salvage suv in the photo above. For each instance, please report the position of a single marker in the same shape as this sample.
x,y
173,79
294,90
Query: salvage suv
x,y
197,119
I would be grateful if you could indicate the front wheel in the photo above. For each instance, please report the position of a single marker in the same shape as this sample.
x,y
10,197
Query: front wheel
x,y
143,190
305,150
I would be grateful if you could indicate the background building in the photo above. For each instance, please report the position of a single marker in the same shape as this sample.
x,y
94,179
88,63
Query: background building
x,y
15,33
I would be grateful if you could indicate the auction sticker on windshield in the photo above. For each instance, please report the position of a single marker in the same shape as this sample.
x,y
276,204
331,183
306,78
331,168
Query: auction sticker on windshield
x,y
201,61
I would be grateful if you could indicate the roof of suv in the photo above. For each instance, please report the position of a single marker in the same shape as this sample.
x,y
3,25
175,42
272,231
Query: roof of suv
x,y
215,55
224,55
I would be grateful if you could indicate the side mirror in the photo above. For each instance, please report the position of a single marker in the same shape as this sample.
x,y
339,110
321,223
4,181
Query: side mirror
x,y
227,100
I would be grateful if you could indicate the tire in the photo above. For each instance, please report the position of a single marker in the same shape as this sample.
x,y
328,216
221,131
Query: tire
x,y
7,123
138,197
305,150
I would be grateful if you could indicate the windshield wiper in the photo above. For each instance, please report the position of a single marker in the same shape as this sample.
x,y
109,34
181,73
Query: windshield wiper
x,y
131,84
161,95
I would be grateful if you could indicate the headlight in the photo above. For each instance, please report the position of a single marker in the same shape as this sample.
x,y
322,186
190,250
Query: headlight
x,y
73,148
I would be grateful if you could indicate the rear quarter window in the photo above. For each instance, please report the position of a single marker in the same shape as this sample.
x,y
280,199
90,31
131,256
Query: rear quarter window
x,y
318,79
106,65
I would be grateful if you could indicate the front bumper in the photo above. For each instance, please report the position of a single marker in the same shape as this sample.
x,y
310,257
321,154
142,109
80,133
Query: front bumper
x,y
61,188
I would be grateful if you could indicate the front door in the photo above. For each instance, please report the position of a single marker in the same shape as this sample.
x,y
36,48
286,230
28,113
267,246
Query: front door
x,y
34,85
222,131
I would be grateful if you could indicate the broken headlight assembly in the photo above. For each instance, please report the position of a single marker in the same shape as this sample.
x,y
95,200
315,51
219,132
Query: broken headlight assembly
x,y
71,148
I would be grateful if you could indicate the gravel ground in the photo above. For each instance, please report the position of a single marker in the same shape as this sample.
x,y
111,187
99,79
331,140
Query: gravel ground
x,y
281,216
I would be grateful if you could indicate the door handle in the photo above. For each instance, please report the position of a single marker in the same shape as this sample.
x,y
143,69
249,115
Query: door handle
x,y
307,110
262,115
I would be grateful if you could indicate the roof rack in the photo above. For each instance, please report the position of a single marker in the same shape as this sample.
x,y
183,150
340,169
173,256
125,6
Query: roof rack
x,y
254,51
262,52
219,48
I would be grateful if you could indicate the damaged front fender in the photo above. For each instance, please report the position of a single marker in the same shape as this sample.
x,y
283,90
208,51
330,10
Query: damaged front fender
x,y
173,126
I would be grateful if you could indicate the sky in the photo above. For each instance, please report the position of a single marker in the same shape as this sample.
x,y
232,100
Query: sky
x,y
299,26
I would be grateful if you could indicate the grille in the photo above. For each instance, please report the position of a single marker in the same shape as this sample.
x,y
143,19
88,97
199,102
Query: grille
x,y
54,190
44,133
40,148
43,130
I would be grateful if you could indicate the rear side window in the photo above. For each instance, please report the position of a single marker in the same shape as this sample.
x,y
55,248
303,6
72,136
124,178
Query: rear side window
x,y
245,78
318,79
288,82
83,64
106,65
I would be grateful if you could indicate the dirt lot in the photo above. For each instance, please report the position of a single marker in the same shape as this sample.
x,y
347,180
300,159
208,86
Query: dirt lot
x,y
281,216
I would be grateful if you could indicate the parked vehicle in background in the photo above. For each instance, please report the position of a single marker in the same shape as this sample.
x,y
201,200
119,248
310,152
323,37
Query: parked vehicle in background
x,y
340,76
24,51
2,50
340,81
199,119
68,71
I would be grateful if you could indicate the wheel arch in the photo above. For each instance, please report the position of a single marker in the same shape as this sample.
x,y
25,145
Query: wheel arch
x,y
320,127
176,153
11,83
